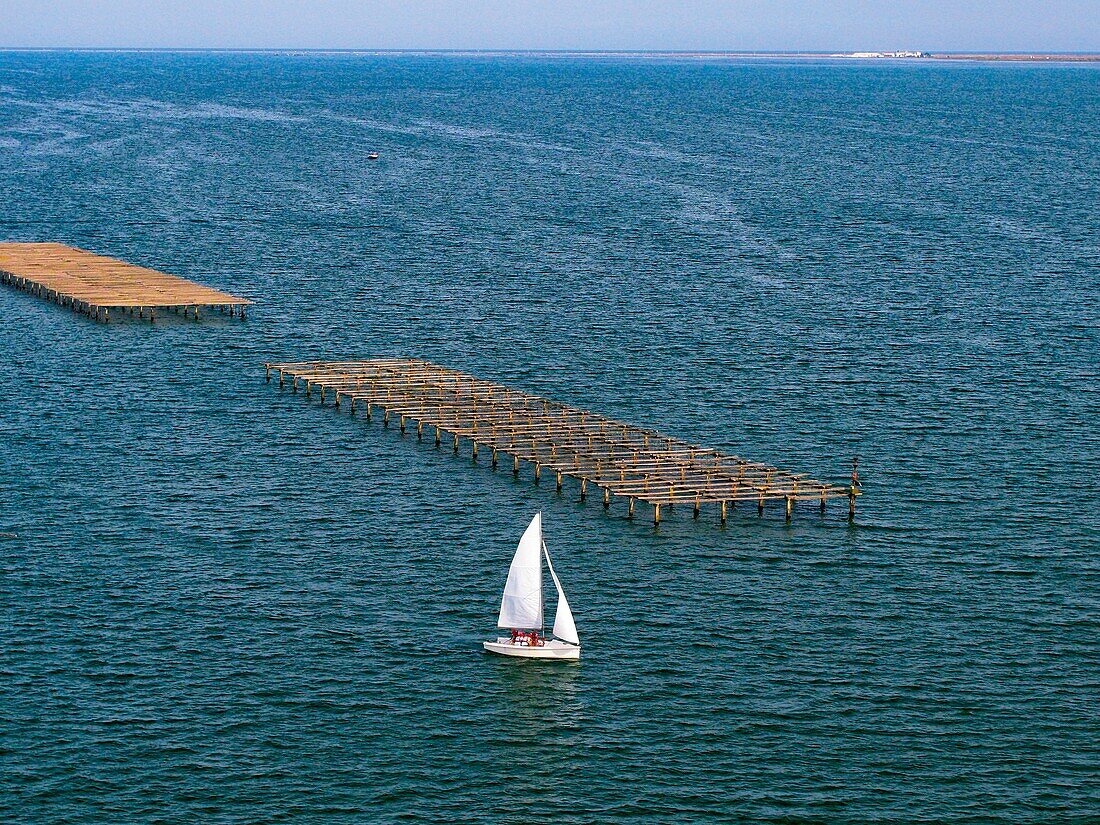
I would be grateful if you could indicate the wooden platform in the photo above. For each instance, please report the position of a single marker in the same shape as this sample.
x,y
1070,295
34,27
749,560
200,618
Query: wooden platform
x,y
620,459
95,284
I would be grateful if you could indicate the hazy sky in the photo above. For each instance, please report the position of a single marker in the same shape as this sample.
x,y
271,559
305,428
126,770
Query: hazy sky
x,y
963,25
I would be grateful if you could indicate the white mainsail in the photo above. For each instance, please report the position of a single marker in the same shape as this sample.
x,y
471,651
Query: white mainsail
x,y
564,626
521,607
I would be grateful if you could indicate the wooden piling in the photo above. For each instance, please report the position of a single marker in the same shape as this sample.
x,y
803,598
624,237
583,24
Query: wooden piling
x,y
95,284
622,460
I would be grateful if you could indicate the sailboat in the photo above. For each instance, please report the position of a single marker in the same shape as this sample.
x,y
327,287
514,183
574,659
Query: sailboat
x,y
521,606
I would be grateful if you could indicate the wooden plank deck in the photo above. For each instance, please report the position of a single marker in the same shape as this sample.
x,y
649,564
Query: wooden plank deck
x,y
95,284
622,460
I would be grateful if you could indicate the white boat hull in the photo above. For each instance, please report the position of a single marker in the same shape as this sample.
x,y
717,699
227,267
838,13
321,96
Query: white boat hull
x,y
552,649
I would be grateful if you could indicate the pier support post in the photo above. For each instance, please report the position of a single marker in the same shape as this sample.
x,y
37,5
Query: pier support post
x,y
474,454
385,416
337,399
723,517
790,506
515,465
584,489
401,422
322,395
454,444
370,411
822,501
656,514
851,505
695,512
607,498
438,436
559,481
630,508
267,367
538,472
282,383
760,506
493,461
419,430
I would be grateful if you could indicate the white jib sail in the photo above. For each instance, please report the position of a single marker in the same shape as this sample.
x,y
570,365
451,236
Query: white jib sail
x,y
564,627
521,607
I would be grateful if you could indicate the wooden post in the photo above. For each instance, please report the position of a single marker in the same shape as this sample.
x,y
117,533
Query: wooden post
x,y
607,498
790,506
822,501
559,481
353,400
538,471
370,411
282,383
338,399
515,465
419,430
267,367
474,450
723,512
584,489
656,514
322,395
630,509
760,505
454,445
851,505
401,421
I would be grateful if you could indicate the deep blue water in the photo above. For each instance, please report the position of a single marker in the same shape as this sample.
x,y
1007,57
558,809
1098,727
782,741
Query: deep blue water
x,y
222,603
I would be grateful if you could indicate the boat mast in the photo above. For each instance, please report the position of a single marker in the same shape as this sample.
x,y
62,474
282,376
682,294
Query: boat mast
x,y
542,618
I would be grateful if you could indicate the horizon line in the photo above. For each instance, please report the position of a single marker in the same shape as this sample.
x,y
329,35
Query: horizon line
x,y
930,53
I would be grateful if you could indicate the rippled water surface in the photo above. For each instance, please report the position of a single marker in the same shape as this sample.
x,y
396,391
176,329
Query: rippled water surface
x,y
220,602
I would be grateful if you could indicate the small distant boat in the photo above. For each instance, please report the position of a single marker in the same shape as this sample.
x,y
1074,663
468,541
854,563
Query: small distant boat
x,y
521,606
372,156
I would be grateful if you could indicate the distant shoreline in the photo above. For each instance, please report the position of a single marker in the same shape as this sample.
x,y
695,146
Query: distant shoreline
x,y
1016,57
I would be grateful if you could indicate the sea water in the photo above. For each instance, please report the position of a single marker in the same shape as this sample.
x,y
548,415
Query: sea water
x,y
221,602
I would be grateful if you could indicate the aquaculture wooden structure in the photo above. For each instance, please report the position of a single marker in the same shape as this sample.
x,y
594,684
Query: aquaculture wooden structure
x,y
95,284
620,459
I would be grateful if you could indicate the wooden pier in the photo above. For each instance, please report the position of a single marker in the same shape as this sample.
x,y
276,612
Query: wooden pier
x,y
620,460
95,285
